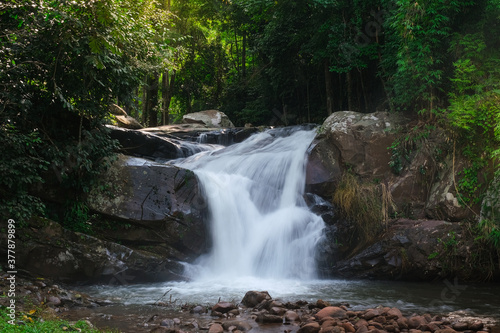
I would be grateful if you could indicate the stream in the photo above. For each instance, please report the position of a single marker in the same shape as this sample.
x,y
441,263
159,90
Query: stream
x,y
264,238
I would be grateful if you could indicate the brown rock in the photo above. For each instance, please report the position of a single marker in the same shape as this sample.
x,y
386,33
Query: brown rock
x,y
459,326
277,311
394,313
253,298
476,325
380,319
333,329
322,304
402,323
240,325
328,322
310,328
292,316
223,307
331,311
370,314
446,330
416,321
216,328
348,327
360,323
362,329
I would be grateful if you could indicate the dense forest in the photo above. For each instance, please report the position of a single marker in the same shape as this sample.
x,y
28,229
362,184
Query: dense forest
x,y
264,62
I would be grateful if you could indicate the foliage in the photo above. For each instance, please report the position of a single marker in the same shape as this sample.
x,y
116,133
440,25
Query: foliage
x,y
62,64
32,322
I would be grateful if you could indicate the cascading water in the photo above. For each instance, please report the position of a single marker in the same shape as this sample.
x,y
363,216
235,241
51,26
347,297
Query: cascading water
x,y
260,224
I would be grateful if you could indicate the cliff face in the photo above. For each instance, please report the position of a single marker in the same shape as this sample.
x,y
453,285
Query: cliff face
x,y
424,232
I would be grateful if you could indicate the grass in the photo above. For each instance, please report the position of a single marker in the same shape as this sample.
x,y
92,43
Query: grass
x,y
32,322
366,205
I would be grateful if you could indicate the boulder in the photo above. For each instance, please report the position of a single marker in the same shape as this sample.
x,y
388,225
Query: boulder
x,y
407,250
253,298
155,204
351,140
51,251
147,145
331,311
123,119
211,118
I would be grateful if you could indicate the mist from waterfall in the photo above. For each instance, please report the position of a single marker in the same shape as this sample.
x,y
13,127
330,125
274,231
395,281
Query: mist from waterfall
x,y
260,224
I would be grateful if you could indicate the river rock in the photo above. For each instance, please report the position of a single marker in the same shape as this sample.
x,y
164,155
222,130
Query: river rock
x,y
216,328
211,118
224,307
313,327
240,325
253,298
153,205
331,311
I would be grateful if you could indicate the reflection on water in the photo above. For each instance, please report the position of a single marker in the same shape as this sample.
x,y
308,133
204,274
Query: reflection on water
x,y
442,297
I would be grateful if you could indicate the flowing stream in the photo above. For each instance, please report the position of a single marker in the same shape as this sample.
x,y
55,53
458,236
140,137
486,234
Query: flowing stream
x,y
264,238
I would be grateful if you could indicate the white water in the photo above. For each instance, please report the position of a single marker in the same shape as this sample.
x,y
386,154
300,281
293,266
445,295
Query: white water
x,y
260,224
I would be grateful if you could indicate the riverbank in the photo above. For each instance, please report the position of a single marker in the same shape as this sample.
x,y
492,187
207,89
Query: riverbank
x,y
256,312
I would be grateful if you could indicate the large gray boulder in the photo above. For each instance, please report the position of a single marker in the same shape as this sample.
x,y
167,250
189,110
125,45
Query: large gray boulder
x,y
211,118
159,207
354,141
50,251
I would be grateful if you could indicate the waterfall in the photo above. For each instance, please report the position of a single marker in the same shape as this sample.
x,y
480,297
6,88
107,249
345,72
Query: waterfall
x,y
260,224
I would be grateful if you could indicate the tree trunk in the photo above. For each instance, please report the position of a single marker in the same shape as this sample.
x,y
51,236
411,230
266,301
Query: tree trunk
x,y
167,87
244,56
153,100
328,87
350,101
145,111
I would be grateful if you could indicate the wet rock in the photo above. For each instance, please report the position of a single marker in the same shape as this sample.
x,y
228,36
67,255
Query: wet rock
x,y
394,313
370,314
216,328
240,325
313,327
269,318
167,323
224,307
476,326
277,311
416,321
460,326
446,330
348,327
331,311
291,316
322,304
253,298
199,309
170,218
